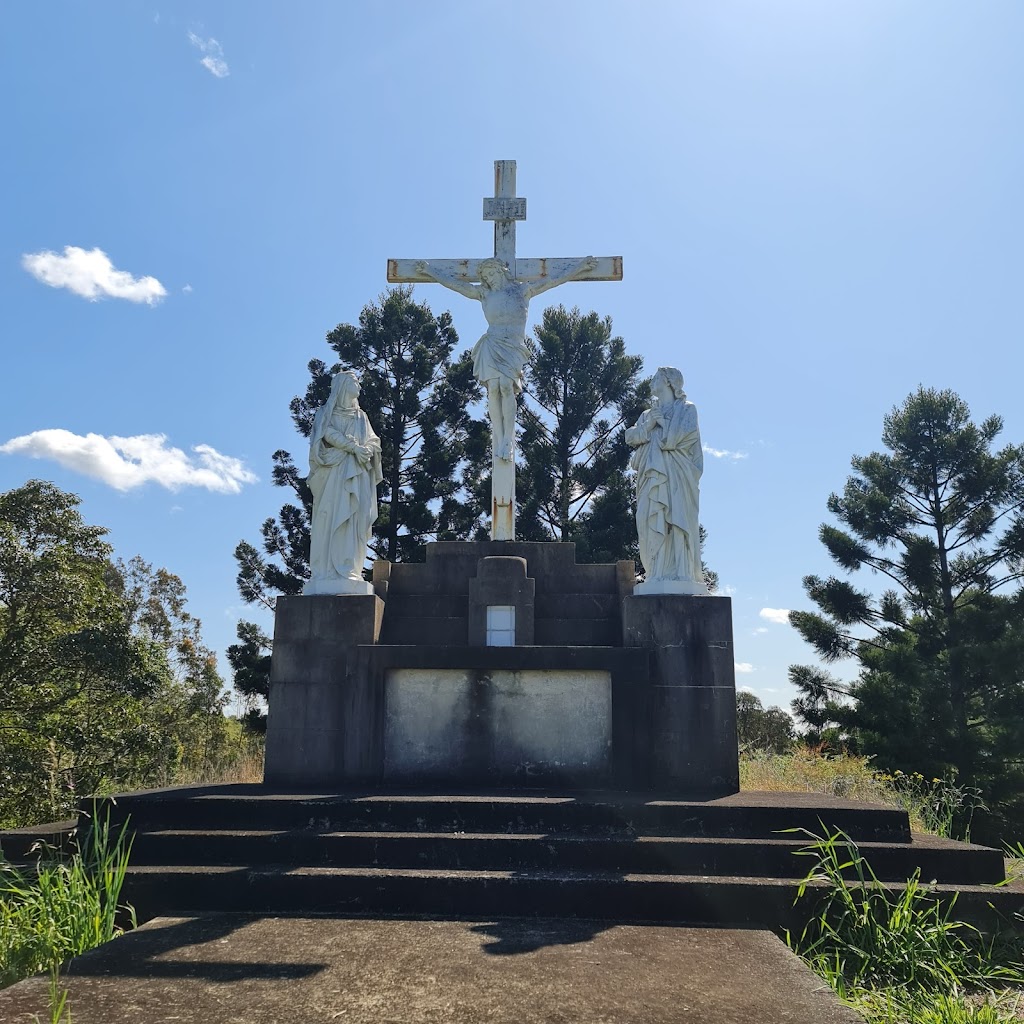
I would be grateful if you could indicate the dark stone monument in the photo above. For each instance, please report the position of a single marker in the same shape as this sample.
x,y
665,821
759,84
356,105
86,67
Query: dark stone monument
x,y
505,663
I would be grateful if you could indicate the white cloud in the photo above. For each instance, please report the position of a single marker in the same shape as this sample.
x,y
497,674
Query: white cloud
x,y
749,689
187,289
760,629
727,590
744,666
128,462
724,453
780,616
90,273
213,55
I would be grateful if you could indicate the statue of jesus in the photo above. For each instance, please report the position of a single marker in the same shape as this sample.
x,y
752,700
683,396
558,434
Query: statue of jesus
x,y
501,353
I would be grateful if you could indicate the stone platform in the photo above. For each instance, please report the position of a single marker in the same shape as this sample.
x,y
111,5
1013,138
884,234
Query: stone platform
x,y
222,968
629,857
597,687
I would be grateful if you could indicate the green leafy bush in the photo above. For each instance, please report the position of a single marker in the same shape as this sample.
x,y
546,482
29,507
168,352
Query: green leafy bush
x,y
62,907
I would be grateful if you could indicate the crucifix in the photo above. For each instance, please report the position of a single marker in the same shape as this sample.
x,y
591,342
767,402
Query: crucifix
x,y
504,285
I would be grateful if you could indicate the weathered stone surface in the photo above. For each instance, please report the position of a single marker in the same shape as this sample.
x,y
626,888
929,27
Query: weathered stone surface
x,y
265,970
324,718
501,580
692,699
498,725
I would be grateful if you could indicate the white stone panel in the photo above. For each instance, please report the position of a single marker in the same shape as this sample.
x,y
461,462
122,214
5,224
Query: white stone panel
x,y
498,724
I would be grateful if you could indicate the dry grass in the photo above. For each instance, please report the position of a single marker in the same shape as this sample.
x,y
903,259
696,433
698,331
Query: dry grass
x,y
808,770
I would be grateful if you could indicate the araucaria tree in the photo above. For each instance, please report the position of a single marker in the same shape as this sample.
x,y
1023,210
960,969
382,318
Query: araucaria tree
x,y
940,516
571,481
418,398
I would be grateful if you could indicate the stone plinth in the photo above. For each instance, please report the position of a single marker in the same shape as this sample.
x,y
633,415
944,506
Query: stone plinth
x,y
692,697
601,688
324,718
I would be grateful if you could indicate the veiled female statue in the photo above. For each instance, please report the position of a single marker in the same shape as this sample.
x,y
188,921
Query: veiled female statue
x,y
668,459
344,470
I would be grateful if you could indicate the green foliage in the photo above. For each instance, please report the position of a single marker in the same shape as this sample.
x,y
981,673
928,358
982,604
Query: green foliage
x,y
104,679
864,935
62,907
762,729
582,390
894,1006
898,956
250,663
939,515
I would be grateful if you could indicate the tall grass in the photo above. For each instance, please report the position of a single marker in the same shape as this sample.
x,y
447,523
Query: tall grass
x,y
62,907
899,957
940,806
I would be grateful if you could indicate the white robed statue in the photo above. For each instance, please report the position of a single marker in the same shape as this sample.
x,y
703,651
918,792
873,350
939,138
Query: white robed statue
x,y
344,470
668,459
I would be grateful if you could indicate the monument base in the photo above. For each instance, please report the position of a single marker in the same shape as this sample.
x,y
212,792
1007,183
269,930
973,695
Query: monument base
x,y
587,686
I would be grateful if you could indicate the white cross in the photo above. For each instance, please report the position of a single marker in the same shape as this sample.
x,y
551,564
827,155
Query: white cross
x,y
505,208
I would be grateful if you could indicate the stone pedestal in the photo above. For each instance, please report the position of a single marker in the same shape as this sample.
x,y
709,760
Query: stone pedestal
x,y
600,688
325,717
691,718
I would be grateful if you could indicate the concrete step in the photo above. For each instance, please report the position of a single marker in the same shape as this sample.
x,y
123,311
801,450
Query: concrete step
x,y
741,816
401,605
694,899
425,630
577,632
576,606
934,858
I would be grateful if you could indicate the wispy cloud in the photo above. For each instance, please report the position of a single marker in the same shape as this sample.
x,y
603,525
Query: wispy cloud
x,y
128,462
760,629
89,273
187,289
213,55
724,453
744,666
780,616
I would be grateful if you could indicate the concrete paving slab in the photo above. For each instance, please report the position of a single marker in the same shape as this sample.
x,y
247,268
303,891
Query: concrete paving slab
x,y
234,968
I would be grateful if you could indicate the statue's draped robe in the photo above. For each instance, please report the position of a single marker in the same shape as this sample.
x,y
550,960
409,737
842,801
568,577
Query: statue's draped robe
x,y
668,463
344,492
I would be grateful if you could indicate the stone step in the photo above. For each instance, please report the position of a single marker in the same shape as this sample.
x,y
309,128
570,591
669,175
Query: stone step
x,y
423,630
576,606
577,632
743,815
935,859
285,888
401,605
419,578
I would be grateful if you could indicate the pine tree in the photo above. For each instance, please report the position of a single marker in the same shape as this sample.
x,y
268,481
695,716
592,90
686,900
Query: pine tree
x,y
418,399
940,515
582,390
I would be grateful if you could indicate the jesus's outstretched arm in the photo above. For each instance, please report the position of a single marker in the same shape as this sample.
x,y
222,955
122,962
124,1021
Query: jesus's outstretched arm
x,y
574,271
449,280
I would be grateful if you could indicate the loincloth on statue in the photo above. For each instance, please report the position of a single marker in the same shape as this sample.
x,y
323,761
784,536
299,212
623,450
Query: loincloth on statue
x,y
500,353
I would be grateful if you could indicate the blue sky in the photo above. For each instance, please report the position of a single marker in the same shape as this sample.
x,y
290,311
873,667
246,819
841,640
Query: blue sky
x,y
819,206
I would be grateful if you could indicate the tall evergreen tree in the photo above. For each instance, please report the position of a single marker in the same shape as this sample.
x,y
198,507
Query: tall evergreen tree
x,y
582,389
940,515
418,398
